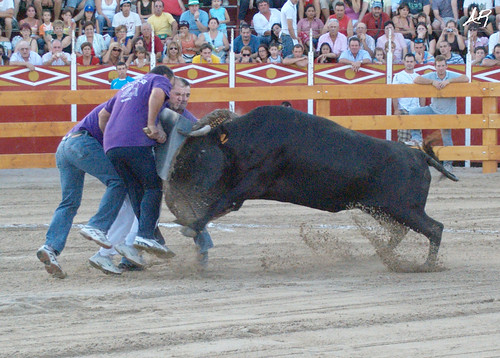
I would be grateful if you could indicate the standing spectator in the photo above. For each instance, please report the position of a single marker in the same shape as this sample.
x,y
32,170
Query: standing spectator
x,y
145,9
123,78
196,18
6,44
146,34
56,56
367,42
221,14
422,57
25,57
375,20
289,20
98,44
450,34
206,55
401,47
106,10
173,54
450,57
402,106
131,20
186,41
246,38
215,38
264,19
7,19
87,59
336,40
354,56
439,105
403,22
478,56
345,23
163,23
25,31
492,59
174,7
88,16
444,11
245,5
297,57
284,42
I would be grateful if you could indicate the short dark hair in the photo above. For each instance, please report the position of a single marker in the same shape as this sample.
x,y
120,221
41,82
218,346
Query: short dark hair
x,y
205,46
245,26
163,70
340,3
121,63
85,44
480,48
354,38
494,48
389,23
409,55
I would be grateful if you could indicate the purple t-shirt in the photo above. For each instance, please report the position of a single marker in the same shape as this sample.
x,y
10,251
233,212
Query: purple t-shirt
x,y
129,114
91,123
189,116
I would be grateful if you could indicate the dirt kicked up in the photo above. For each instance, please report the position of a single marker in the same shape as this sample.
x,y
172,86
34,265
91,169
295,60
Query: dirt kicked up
x,y
282,281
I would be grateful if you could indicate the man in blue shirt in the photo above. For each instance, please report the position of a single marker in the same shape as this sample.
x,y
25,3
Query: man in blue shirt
x,y
440,105
492,59
123,78
354,55
245,39
450,57
197,19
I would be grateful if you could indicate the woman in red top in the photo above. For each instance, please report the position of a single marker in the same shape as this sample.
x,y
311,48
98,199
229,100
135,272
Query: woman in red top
x,y
87,59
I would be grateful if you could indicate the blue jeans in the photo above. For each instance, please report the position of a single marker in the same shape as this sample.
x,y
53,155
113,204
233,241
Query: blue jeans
x,y
136,166
75,157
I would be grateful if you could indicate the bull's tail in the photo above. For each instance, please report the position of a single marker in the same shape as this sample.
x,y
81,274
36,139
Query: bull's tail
x,y
433,161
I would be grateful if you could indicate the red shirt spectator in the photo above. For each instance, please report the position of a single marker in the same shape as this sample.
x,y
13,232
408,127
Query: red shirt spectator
x,y
375,20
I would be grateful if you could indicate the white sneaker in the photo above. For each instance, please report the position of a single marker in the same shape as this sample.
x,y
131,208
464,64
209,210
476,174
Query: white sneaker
x,y
413,143
153,247
105,264
96,235
131,254
48,257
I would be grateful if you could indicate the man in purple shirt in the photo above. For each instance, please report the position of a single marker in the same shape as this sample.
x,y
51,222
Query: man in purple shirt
x,y
136,107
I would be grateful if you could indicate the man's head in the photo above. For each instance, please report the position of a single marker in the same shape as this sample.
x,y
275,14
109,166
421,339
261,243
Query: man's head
x,y
125,6
206,51
245,32
360,28
298,51
354,45
496,51
445,48
263,6
56,47
164,71
409,62
376,9
121,68
419,46
333,27
480,53
193,5
146,29
339,10
441,65
158,7
24,49
86,48
389,27
179,95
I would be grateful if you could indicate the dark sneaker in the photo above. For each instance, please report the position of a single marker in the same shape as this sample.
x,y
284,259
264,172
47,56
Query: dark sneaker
x,y
48,257
126,265
153,247
105,264
96,235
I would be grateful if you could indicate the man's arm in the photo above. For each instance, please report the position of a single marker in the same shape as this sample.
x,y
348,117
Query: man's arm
x,y
289,23
156,100
488,62
103,119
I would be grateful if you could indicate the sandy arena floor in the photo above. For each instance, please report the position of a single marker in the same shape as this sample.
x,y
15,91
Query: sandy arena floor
x,y
283,281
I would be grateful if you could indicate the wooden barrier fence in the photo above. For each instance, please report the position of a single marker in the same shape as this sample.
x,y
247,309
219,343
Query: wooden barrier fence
x,y
489,121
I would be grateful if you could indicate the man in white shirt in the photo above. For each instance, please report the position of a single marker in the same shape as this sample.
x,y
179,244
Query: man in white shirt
x,y
128,18
289,20
7,16
25,57
264,20
402,106
56,57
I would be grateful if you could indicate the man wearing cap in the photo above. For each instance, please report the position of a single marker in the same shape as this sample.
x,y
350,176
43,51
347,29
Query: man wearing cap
x,y
264,20
163,23
197,19
131,20
375,20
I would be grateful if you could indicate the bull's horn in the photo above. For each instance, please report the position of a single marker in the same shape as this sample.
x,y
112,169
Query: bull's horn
x,y
201,132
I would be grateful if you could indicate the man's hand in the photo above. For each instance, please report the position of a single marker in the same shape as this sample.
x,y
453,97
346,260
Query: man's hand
x,y
355,66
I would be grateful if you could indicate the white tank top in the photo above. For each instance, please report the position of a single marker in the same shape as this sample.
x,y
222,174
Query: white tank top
x,y
109,10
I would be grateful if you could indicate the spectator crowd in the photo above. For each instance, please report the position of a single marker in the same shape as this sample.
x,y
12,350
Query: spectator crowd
x,y
355,32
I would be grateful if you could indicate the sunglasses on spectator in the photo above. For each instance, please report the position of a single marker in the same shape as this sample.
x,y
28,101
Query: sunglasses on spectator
x,y
173,48
419,41
117,49
245,54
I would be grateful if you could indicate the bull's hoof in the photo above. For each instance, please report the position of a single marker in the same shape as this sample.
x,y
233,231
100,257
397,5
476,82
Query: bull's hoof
x,y
187,231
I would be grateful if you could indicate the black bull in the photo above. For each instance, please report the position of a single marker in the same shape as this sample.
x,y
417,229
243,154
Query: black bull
x,y
282,154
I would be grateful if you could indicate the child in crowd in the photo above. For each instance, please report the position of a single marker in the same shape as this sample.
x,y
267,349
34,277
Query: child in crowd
x,y
141,58
274,53
478,56
46,26
69,22
220,14
379,56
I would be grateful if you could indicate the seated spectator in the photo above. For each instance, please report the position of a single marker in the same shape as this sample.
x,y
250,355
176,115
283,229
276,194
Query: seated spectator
x,y
274,53
284,41
7,19
246,55
206,55
173,54
196,18
113,55
403,22
25,57
129,19
474,7
123,78
325,54
385,6
354,55
88,16
336,40
146,34
401,48
422,57
76,7
145,9
379,56
444,11
345,23
25,32
69,24
186,41
490,60
375,20
5,43
246,38
427,39
305,3
122,40
4,59
297,57
46,28
163,23
54,5
31,20
476,38
264,19
59,35
221,14
139,58
450,34
106,10
98,44
307,23
87,58
56,57
423,18
478,56
367,42
395,60
450,57
214,38
262,54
